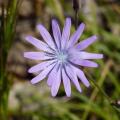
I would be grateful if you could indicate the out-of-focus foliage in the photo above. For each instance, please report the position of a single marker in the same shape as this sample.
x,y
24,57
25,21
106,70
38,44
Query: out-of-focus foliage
x,y
28,102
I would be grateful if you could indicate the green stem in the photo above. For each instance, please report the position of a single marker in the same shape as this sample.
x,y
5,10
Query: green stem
x,y
76,19
7,33
101,90
4,98
4,88
98,88
3,79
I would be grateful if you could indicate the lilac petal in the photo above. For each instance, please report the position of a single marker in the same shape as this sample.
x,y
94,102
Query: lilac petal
x,y
41,66
36,55
75,37
52,75
56,82
37,43
66,32
46,36
72,75
81,75
86,63
50,80
85,43
66,83
42,75
56,32
86,55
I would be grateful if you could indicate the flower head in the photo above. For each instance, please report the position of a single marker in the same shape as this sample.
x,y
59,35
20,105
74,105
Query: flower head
x,y
61,57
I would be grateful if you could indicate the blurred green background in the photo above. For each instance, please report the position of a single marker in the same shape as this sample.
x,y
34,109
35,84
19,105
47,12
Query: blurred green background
x,y
28,102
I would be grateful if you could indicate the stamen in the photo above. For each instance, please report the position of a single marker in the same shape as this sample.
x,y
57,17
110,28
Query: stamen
x,y
62,56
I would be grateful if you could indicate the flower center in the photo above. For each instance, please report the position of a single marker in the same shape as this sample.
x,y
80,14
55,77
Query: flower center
x,y
62,56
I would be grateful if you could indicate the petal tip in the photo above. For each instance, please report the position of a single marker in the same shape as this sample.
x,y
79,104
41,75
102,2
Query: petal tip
x,y
95,37
53,95
80,90
30,71
54,21
24,54
88,85
39,26
68,95
102,56
68,18
28,37
82,24
33,82
96,65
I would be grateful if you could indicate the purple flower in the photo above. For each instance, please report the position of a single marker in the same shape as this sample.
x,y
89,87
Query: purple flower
x,y
61,57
